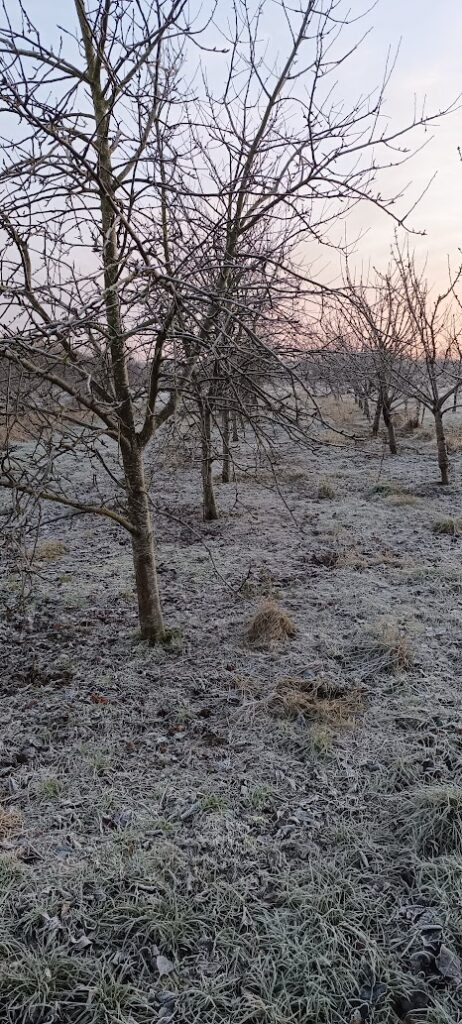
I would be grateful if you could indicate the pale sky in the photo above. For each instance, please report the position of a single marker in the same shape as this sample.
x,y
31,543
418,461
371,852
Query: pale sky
x,y
429,64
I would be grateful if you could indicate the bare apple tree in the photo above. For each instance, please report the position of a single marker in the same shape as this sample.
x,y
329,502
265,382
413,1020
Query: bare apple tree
x,y
89,122
376,328
431,373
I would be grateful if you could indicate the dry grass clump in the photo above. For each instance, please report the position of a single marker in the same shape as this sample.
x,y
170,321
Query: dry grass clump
x,y
335,437
382,648
326,490
261,584
425,434
451,526
394,645
320,738
342,412
402,499
387,488
351,558
430,817
410,424
291,475
10,823
248,686
50,550
270,623
320,699
327,557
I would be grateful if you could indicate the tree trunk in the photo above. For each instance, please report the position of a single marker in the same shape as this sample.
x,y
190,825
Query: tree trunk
x,y
225,471
388,421
149,607
144,558
209,507
366,409
235,433
441,447
377,415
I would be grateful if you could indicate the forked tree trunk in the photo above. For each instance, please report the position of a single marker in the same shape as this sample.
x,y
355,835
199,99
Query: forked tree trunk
x,y
144,558
209,506
149,607
388,421
377,415
443,461
225,470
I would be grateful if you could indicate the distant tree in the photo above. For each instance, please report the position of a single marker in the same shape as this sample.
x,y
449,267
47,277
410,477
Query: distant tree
x,y
431,372
375,324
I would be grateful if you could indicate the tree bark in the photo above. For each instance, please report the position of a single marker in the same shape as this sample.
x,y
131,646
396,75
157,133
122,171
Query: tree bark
x,y
209,507
235,433
443,461
225,471
377,415
388,421
144,559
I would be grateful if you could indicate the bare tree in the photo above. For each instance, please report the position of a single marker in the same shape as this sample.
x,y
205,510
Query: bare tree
x,y
77,260
375,324
431,372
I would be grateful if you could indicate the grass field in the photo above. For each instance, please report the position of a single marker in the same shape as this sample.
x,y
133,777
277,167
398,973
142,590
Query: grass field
x,y
247,826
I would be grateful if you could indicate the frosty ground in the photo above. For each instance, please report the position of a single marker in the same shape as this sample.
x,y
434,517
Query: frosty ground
x,y
217,832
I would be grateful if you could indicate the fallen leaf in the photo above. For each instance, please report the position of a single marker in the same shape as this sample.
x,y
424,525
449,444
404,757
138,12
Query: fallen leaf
x,y
81,943
97,698
448,964
164,965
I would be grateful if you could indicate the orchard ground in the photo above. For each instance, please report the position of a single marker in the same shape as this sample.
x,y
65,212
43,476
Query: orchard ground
x,y
218,830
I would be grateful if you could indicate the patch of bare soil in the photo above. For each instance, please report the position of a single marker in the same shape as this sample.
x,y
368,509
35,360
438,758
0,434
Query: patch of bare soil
x,y
220,831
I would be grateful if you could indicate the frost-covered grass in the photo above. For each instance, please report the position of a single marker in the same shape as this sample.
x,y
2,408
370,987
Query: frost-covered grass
x,y
222,831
